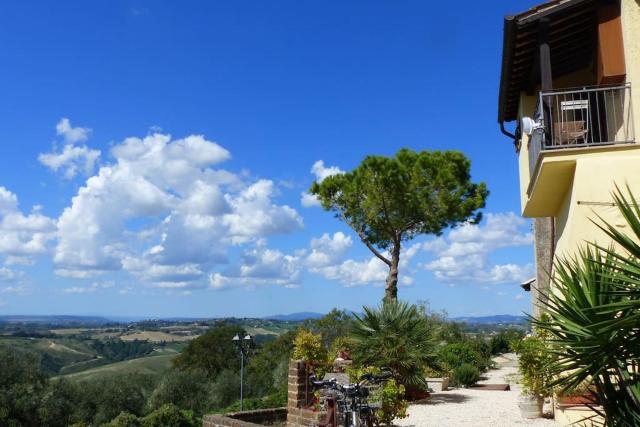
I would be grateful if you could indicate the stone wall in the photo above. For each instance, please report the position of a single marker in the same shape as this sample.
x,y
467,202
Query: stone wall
x,y
258,417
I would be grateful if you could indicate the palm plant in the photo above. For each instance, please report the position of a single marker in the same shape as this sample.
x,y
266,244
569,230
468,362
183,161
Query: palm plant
x,y
398,336
594,316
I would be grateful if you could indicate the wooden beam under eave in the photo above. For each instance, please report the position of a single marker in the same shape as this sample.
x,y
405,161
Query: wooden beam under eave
x,y
611,68
544,59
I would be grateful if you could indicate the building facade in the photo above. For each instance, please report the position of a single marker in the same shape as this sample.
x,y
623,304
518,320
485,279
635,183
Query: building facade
x,y
570,82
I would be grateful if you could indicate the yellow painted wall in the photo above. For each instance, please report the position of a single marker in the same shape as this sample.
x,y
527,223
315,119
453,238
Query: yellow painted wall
x,y
630,17
527,108
589,196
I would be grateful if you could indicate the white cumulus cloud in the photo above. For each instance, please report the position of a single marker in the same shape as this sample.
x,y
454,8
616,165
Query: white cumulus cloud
x,y
22,236
71,158
463,255
321,172
164,212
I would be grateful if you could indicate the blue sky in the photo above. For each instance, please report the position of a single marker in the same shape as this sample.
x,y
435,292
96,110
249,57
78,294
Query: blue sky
x,y
154,155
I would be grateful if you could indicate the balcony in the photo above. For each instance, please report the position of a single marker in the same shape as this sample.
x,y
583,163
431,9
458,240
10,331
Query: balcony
x,y
570,124
579,119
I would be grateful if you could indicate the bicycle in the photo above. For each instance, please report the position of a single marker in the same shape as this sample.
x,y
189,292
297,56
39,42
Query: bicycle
x,y
353,406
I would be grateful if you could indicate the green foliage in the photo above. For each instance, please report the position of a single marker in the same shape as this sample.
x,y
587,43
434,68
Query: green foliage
x,y
502,341
342,346
466,375
534,364
226,388
104,398
212,352
594,316
124,419
190,389
333,325
465,352
170,416
393,405
117,349
395,335
21,387
308,346
58,405
267,370
388,200
390,396
276,400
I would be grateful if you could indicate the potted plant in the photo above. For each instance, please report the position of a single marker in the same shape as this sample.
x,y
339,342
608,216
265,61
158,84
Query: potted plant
x,y
307,346
438,379
534,367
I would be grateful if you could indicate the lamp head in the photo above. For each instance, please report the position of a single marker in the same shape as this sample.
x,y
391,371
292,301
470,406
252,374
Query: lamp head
x,y
236,338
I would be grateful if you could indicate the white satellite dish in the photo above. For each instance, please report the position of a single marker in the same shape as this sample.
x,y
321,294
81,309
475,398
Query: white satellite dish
x,y
529,125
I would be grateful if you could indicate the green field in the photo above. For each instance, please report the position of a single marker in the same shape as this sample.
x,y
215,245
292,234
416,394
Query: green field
x,y
152,365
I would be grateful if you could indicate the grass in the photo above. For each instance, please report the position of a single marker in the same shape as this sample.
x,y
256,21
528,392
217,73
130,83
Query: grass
x,y
152,365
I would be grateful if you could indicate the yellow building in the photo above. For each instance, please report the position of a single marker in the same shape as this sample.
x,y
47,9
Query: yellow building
x,y
568,73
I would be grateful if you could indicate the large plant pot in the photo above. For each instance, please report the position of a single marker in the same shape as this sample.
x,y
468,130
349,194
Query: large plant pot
x,y
530,406
438,384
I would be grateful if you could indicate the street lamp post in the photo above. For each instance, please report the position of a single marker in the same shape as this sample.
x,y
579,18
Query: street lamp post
x,y
243,345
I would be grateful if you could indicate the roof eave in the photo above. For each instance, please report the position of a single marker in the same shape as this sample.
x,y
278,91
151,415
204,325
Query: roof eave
x,y
507,53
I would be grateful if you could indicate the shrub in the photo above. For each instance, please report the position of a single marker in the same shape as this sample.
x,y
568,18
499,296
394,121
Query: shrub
x,y
169,416
393,404
308,347
125,419
276,400
535,360
466,375
396,335
457,354
502,342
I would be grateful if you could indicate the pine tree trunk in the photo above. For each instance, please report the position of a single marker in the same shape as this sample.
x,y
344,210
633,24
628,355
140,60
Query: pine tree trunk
x,y
391,289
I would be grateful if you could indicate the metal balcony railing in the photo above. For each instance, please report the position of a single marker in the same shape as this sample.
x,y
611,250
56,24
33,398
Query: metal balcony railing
x,y
579,118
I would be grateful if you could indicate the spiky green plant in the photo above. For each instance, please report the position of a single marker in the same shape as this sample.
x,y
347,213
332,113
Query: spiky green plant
x,y
594,319
398,336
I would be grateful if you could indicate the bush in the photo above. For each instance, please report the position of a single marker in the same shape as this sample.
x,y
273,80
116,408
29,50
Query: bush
x,y
466,375
393,404
461,353
502,342
308,347
170,416
535,359
125,419
276,400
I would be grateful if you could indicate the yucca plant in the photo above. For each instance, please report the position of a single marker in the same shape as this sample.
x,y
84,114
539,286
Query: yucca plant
x,y
594,319
398,336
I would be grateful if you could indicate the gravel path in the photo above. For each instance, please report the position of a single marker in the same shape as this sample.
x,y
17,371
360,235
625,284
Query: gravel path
x,y
477,408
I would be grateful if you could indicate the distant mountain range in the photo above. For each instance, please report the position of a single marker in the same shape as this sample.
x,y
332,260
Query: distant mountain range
x,y
295,317
491,320
56,320
292,317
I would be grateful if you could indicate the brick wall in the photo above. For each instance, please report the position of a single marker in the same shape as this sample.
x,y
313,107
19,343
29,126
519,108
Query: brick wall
x,y
258,417
298,414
